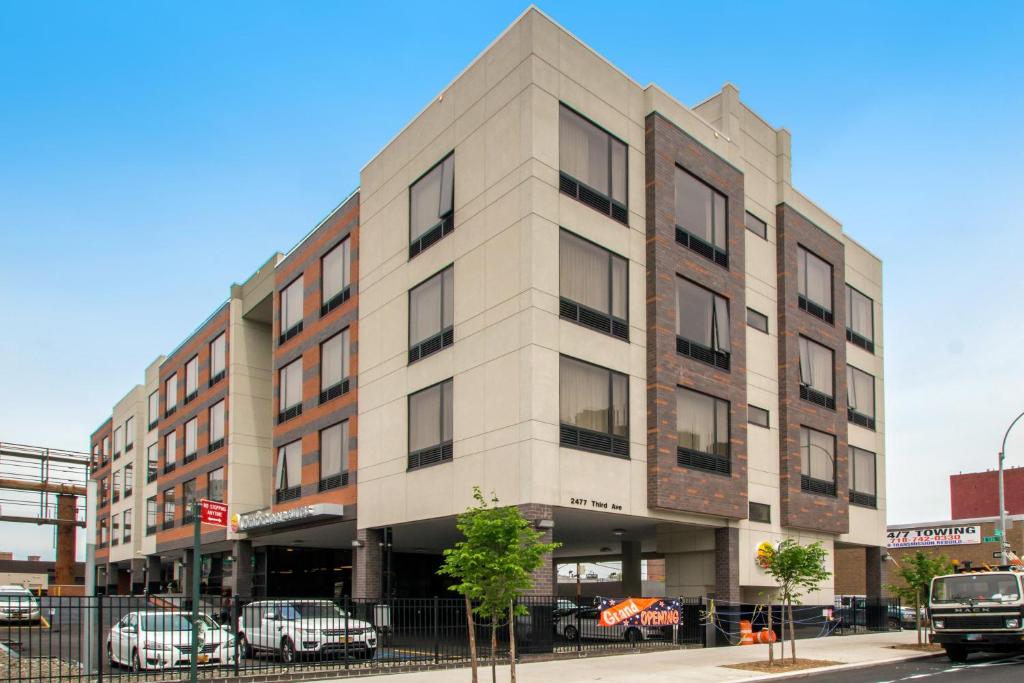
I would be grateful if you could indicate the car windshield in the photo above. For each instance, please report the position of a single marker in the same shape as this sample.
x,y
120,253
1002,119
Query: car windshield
x,y
166,622
977,588
310,610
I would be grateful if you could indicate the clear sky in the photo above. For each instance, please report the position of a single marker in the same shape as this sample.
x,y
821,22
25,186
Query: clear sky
x,y
153,153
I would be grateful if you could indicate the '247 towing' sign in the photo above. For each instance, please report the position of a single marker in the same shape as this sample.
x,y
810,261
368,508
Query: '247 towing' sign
x,y
938,535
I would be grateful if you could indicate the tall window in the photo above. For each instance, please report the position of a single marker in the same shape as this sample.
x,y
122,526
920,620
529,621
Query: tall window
x,y
860,319
188,499
817,462
290,388
216,426
862,478
191,378
816,374
288,480
334,456
191,439
701,218
334,365
129,479
126,526
169,506
129,434
171,394
151,515
756,225
593,408
592,164
430,425
170,451
152,461
104,533
814,284
702,324
291,310
336,275
432,315
117,486
215,485
860,397
104,490
592,284
115,528
702,423
154,409
106,446
218,358
431,206
118,442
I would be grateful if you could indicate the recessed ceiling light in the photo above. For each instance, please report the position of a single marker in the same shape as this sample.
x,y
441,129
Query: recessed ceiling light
x,y
618,532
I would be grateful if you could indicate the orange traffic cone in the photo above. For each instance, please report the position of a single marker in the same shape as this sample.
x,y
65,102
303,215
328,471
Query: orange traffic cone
x,y
746,634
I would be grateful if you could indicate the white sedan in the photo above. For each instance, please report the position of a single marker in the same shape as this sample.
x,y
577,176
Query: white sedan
x,y
585,623
163,640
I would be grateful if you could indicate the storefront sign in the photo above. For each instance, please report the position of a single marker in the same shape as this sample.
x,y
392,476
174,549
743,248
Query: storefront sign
x,y
929,536
640,612
261,519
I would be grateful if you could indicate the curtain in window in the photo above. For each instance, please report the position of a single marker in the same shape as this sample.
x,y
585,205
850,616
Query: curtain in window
x,y
446,412
151,512
721,340
719,220
335,267
425,419
695,420
620,274
334,450
817,454
154,407
583,395
619,161
118,440
583,151
217,421
215,485
425,310
859,308
171,391
863,463
432,197
171,448
693,206
291,384
188,493
169,505
191,435
447,298
620,405
721,446
192,376
291,305
583,273
695,312
860,391
217,356
332,360
152,457
814,278
816,366
289,466
129,432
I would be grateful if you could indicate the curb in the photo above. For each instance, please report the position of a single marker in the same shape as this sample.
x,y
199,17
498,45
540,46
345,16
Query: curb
x,y
841,667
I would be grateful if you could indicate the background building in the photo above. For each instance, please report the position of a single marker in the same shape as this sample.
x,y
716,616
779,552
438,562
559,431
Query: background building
x,y
976,494
608,308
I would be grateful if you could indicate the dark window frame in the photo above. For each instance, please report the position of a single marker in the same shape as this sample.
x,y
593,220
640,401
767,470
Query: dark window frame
x,y
341,387
590,196
442,452
767,416
291,491
189,397
575,437
295,409
296,329
214,378
763,233
757,316
859,498
814,485
223,483
707,461
691,348
333,481
817,309
696,243
581,314
154,418
441,340
852,414
326,306
766,518
856,338
444,227
808,392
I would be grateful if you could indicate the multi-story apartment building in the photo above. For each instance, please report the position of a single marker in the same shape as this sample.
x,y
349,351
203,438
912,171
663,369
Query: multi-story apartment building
x,y
607,308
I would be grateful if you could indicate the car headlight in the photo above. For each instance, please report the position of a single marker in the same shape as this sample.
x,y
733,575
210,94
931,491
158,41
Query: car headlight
x,y
1013,623
153,645
230,644
940,623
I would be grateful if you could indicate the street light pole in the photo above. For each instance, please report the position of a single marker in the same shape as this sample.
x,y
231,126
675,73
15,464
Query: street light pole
x,y
1002,494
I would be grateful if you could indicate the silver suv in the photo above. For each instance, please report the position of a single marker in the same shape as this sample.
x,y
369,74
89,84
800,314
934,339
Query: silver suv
x,y
293,628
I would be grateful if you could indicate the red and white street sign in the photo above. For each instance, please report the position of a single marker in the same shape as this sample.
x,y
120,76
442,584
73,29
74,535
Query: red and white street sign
x,y
212,512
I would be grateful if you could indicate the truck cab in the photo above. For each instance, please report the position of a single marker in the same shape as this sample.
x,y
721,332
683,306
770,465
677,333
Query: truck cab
x,y
978,610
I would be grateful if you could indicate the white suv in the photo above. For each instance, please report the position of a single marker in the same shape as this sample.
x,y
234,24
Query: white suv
x,y
293,628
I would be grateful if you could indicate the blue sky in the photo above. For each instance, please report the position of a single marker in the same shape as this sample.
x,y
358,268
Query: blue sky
x,y
150,154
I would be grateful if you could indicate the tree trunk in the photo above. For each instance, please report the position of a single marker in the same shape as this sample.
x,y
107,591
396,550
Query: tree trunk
x,y
771,632
512,639
472,640
917,613
792,630
494,651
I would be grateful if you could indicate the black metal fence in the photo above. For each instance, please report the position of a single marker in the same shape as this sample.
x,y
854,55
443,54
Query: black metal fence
x,y
127,638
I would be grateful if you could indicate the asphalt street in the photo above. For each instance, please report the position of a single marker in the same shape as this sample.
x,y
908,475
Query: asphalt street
x,y
991,668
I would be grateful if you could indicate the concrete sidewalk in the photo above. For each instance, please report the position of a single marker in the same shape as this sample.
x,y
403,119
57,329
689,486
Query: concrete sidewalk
x,y
685,665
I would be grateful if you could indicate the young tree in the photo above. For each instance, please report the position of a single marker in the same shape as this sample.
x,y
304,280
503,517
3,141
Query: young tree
x,y
917,573
492,565
797,569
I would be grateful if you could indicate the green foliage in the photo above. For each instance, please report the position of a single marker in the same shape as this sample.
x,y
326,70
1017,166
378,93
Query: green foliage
x,y
917,572
493,563
797,569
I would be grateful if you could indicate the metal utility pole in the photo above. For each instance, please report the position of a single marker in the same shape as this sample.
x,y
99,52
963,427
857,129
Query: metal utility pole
x,y
1003,543
196,571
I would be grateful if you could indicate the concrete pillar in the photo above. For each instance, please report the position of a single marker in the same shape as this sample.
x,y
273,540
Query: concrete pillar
x,y
137,569
64,571
632,582
240,581
112,576
873,571
727,564
154,573
367,564
544,579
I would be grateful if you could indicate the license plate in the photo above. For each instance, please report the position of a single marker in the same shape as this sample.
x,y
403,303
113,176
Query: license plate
x,y
974,636
344,639
203,659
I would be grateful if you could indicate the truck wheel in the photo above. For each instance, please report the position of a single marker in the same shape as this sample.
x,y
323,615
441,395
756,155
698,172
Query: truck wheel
x,y
956,653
